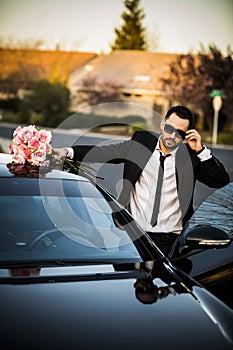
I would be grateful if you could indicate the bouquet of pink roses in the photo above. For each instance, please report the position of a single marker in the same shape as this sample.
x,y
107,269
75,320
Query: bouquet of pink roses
x,y
31,149
30,145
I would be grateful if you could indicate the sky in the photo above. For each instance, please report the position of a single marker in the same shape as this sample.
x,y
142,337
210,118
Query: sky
x,y
178,26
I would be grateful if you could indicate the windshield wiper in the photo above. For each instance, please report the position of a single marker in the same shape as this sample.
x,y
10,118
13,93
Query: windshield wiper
x,y
65,262
136,274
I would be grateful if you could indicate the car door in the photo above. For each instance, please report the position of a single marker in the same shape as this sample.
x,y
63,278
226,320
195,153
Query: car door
x,y
211,264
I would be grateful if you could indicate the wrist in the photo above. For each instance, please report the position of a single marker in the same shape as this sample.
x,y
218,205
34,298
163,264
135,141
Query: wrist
x,y
200,149
69,152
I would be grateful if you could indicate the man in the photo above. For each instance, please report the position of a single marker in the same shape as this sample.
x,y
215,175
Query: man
x,y
168,164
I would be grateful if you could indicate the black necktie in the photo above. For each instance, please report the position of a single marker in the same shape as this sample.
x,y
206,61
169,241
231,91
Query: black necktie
x,y
158,190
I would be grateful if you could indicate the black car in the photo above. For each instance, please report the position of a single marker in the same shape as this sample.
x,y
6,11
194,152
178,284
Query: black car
x,y
213,219
77,272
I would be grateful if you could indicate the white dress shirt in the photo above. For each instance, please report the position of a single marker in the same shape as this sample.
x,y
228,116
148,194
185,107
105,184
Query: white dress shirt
x,y
142,198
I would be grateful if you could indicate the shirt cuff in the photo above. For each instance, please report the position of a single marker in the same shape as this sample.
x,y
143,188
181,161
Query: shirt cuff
x,y
70,153
204,154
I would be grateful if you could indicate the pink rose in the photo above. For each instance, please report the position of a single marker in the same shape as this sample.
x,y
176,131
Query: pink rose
x,y
17,131
18,139
28,132
19,159
48,149
45,135
38,156
46,146
11,148
34,143
24,151
43,147
33,130
15,148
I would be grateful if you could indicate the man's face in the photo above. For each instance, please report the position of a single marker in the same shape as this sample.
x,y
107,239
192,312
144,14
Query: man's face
x,y
173,131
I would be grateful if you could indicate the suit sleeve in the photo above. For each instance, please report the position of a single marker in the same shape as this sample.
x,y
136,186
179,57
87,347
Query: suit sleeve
x,y
212,173
113,153
135,150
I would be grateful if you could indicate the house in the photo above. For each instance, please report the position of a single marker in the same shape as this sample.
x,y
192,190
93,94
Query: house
x,y
138,72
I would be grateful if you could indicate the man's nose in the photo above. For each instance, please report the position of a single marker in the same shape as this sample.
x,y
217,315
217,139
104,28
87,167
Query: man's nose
x,y
173,135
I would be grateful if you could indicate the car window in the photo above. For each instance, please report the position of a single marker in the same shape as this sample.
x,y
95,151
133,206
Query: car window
x,y
216,210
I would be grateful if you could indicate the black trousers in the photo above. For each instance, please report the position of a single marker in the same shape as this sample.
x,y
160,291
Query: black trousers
x,y
164,240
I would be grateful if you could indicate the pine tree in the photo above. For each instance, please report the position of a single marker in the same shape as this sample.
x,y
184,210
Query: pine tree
x,y
131,35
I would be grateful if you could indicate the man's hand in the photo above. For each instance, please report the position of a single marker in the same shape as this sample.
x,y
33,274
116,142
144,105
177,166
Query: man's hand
x,y
193,138
61,153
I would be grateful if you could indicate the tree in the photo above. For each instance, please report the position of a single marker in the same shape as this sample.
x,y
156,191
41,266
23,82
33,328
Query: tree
x,y
131,35
93,91
49,100
25,44
192,78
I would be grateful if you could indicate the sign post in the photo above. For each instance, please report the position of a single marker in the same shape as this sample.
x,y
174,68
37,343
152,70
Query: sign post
x,y
217,95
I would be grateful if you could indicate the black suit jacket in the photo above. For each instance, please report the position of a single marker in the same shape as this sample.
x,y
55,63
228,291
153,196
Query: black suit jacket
x,y
135,153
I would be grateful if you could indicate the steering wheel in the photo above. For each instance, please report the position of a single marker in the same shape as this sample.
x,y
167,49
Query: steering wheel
x,y
59,232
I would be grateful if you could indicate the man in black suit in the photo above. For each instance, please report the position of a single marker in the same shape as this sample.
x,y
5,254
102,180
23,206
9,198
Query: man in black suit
x,y
160,172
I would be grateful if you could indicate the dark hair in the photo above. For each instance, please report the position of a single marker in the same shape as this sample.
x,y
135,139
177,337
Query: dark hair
x,y
146,297
182,112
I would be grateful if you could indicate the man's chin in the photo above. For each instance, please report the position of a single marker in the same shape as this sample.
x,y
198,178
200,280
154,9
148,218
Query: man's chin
x,y
170,144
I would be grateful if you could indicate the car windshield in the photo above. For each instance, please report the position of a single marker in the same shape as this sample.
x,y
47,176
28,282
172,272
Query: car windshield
x,y
64,221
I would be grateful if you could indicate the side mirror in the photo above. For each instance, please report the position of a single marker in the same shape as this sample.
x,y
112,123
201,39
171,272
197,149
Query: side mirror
x,y
204,237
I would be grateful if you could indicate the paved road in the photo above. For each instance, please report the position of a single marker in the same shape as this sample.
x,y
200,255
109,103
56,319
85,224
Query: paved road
x,y
112,174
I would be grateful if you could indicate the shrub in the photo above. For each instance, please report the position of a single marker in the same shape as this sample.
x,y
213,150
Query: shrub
x,y
17,117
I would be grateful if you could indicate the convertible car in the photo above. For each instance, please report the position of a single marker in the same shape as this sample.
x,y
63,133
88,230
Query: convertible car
x,y
76,271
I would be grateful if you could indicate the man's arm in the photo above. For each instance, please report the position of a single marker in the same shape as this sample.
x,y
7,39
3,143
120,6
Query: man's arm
x,y
112,153
212,173
210,170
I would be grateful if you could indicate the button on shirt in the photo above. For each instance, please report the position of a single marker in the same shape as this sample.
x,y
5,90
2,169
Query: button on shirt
x,y
142,198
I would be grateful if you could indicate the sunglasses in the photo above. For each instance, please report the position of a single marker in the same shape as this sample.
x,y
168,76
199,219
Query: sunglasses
x,y
170,130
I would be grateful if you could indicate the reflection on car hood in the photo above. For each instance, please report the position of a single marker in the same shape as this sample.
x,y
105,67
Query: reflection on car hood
x,y
101,314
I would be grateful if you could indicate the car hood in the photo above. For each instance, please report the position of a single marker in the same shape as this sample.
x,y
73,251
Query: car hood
x,y
96,312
